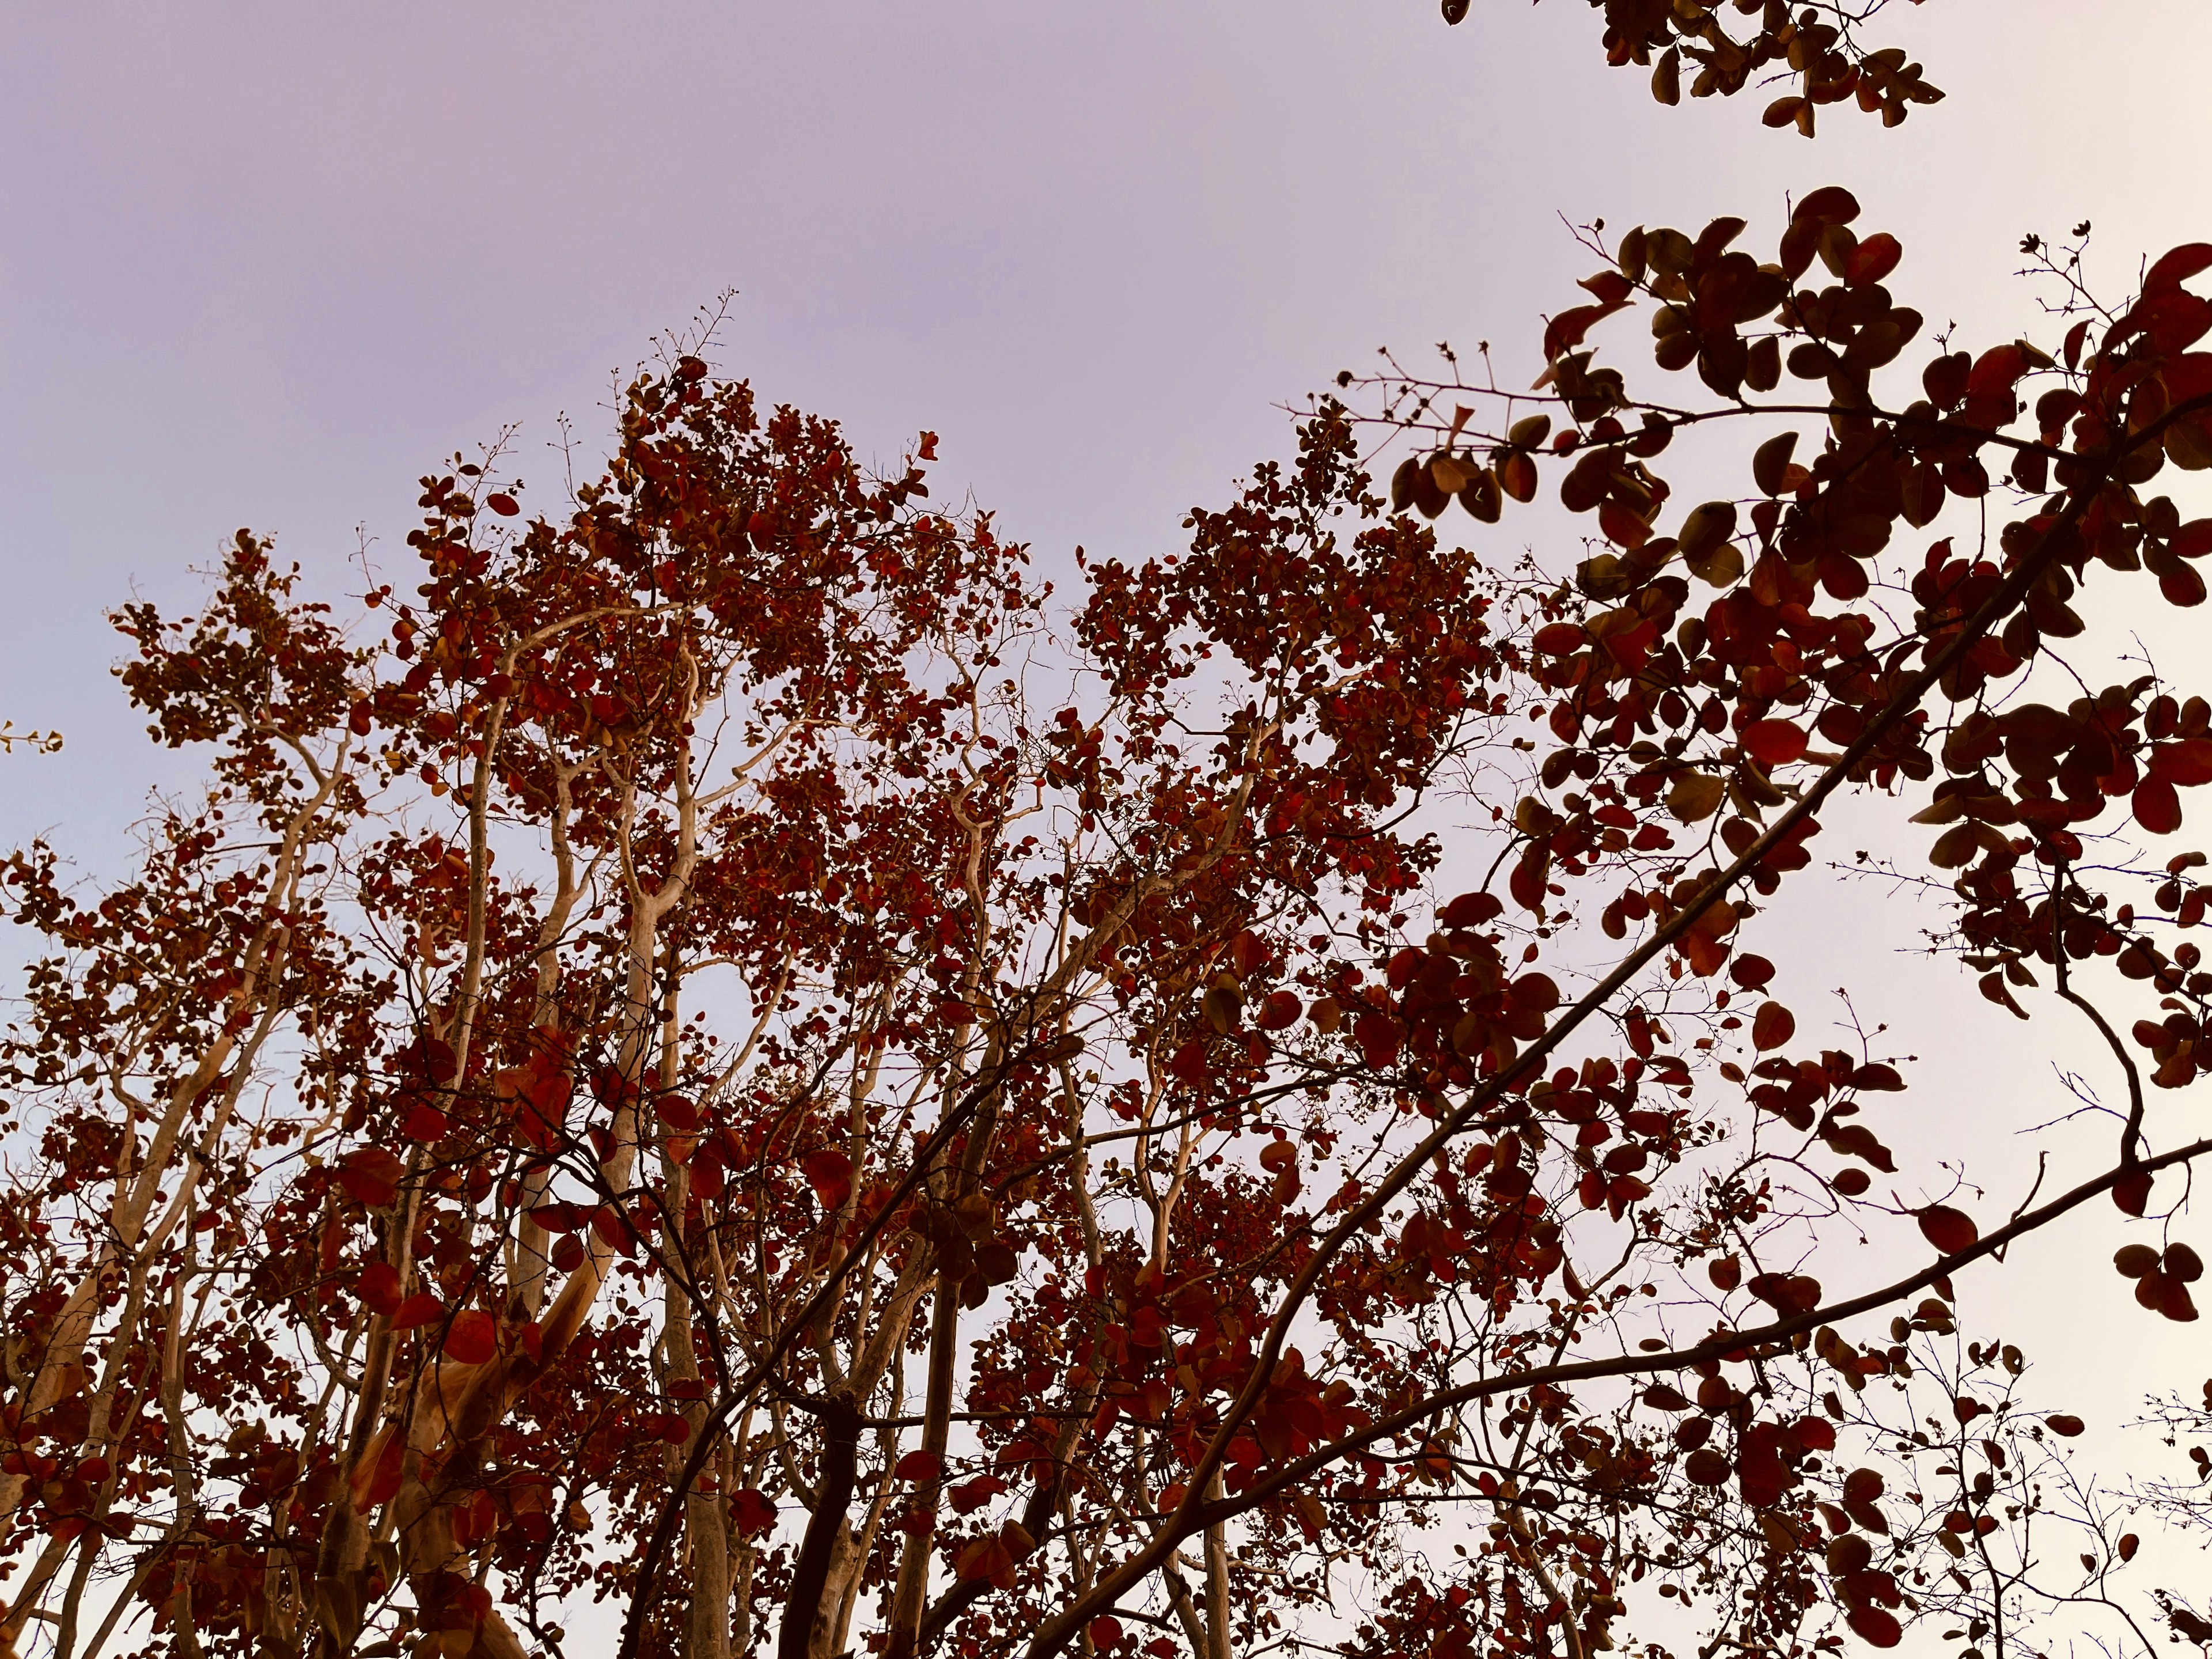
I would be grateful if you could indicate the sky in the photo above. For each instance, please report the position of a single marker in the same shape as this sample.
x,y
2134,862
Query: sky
x,y
266,264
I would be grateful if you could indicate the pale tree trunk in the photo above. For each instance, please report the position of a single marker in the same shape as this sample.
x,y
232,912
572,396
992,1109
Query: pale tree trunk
x,y
531,1264
450,1407
741,1598
911,1593
706,1621
342,1558
1216,1580
843,1591
706,1526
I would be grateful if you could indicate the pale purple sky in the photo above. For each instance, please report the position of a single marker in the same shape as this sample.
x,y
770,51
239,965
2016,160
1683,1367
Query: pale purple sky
x,y
265,265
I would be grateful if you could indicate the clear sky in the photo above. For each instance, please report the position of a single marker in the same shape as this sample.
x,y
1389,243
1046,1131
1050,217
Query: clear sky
x,y
264,265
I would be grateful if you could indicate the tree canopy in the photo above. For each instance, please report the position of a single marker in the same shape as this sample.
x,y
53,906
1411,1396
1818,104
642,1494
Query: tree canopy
x,y
722,1047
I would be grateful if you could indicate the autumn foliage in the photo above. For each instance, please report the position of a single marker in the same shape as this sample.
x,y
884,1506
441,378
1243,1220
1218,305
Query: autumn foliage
x,y
724,1053
1812,55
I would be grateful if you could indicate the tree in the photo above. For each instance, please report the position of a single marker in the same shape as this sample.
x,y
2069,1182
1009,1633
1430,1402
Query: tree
x,y
749,1061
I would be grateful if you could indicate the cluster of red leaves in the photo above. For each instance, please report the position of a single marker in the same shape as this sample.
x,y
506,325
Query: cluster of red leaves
x,y
1826,56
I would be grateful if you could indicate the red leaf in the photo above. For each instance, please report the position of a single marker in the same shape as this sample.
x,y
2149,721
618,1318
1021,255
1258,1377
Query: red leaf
x,y
1877,1626
371,1178
1856,1141
2174,1300
2180,584
751,1510
1758,1466
1622,1191
1527,882
378,1287
2174,320
1950,1231
2177,265
420,1309
1831,204
472,1338
1535,993
1470,910
2131,1191
1377,1035
1872,260
2187,763
1105,1631
1622,528
1813,1434
429,1059
1772,1026
1750,972
985,1558
1706,1466
971,1495
921,1464
1188,1064
676,1113
2064,1423
830,1174
2157,808
1774,743
612,1231
1787,1293
1610,286
502,503
1568,328
1995,371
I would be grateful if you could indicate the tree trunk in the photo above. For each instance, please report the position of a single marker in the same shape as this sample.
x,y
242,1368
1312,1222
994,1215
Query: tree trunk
x,y
809,1617
1217,1581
